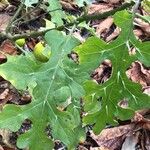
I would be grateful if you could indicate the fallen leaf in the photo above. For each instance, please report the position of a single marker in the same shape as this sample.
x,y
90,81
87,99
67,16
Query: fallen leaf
x,y
130,142
146,90
4,94
3,4
112,138
138,33
103,72
68,5
113,35
104,25
7,48
137,73
4,20
6,134
126,137
1,148
82,148
99,148
99,8
143,25
112,1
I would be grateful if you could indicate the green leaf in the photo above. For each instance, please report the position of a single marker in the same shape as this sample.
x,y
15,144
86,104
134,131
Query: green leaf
x,y
56,12
142,52
102,101
146,5
49,84
29,3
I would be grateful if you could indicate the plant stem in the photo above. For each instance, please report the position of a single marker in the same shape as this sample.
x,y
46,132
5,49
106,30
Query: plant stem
x,y
28,13
14,17
105,14
77,21
141,17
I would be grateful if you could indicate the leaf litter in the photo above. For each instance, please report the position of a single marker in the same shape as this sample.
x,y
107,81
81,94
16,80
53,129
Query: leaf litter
x,y
129,136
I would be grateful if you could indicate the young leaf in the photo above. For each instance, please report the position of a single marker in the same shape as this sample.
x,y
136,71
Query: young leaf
x,y
56,12
44,81
102,101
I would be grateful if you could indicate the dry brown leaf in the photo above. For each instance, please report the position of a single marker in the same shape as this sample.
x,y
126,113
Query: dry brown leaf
x,y
7,148
138,33
103,72
4,94
113,35
3,4
68,5
4,20
146,90
112,138
1,148
143,25
82,148
100,148
112,1
77,35
8,93
104,25
7,48
137,73
130,142
127,136
99,8
6,137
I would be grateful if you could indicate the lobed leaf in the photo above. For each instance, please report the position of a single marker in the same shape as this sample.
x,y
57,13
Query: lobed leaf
x,y
47,83
102,101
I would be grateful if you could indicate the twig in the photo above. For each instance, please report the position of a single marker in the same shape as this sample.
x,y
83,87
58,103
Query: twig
x,y
141,17
28,13
136,6
77,21
20,48
14,17
27,21
105,14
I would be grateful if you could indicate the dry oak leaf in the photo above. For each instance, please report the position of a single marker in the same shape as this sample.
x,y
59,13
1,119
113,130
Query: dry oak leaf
x,y
3,4
99,8
68,5
115,33
4,20
146,90
104,25
112,1
126,137
137,73
6,137
7,48
143,25
112,138
99,148
138,33
103,72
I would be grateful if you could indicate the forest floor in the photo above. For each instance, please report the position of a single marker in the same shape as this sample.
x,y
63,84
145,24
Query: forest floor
x,y
128,135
